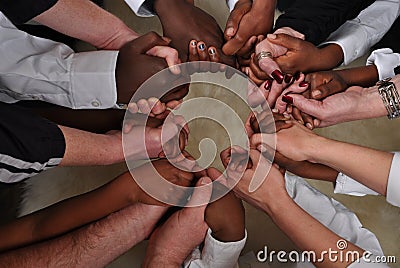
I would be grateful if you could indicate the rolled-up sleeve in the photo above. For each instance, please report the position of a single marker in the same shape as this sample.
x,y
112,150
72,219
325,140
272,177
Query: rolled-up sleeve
x,y
34,68
358,35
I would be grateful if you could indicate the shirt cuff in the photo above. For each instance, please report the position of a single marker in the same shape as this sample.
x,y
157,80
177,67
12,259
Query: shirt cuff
x,y
93,84
385,61
346,37
347,185
139,7
393,186
231,4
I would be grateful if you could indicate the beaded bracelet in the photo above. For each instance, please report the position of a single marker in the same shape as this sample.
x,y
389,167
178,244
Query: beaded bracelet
x,y
390,97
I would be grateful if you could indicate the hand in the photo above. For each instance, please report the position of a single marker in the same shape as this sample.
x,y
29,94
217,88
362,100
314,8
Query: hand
x,y
200,55
271,188
326,83
295,142
170,244
154,137
160,170
353,104
182,22
149,54
264,122
303,56
247,19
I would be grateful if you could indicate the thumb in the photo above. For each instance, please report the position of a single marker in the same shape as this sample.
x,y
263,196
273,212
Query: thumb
x,y
308,106
145,42
232,24
290,42
326,90
201,194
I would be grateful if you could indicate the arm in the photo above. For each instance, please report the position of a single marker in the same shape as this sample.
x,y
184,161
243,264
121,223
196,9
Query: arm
x,y
317,19
102,29
86,208
357,36
95,245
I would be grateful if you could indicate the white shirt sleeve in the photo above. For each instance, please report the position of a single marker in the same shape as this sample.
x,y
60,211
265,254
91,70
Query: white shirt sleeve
x,y
393,187
216,254
385,61
357,36
34,68
349,186
138,7
231,4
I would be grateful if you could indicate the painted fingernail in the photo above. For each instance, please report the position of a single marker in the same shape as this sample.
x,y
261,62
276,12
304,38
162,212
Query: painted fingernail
x,y
297,76
212,51
287,99
268,84
303,84
278,76
193,43
316,93
202,46
288,78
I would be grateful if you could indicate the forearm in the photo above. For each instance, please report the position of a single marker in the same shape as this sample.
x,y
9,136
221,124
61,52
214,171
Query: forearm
x,y
329,57
95,245
86,149
306,232
368,166
70,214
101,28
365,76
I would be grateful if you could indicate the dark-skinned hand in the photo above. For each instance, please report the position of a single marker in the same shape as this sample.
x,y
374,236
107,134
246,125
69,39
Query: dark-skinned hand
x,y
136,63
182,22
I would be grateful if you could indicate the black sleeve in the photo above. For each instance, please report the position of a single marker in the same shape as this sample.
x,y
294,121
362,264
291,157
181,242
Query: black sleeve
x,y
317,19
29,143
21,11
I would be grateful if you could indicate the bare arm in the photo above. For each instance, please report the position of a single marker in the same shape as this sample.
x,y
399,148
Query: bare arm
x,y
84,20
95,245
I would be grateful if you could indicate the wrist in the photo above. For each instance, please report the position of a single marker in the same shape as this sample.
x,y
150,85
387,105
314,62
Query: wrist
x,y
315,148
328,57
112,146
371,104
275,202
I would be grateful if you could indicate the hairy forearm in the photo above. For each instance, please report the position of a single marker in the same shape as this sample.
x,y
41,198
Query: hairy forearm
x,y
368,166
306,232
85,149
84,20
365,76
95,245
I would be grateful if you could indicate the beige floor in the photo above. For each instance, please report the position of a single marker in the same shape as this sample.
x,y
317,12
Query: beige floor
x,y
373,212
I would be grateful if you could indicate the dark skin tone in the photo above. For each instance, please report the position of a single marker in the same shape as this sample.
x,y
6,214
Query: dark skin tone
x,y
182,22
83,209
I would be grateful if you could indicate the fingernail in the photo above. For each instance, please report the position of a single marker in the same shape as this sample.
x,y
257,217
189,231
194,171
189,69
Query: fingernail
x,y
278,76
275,110
230,31
204,181
212,51
287,99
297,76
202,46
286,116
271,36
316,93
267,84
309,126
288,78
193,44
303,84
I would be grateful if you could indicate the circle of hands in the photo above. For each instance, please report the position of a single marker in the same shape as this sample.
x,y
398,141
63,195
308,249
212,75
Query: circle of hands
x,y
281,85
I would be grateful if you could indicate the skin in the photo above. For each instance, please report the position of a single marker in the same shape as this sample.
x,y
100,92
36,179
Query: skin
x,y
301,144
247,19
94,245
272,198
77,211
102,29
182,22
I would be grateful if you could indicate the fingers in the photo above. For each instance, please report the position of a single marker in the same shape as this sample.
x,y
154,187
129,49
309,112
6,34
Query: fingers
x,y
147,41
287,41
259,139
310,106
201,195
256,69
170,55
325,90
248,48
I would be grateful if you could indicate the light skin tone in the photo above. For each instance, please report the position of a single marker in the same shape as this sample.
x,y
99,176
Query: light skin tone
x,y
272,198
94,245
301,144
